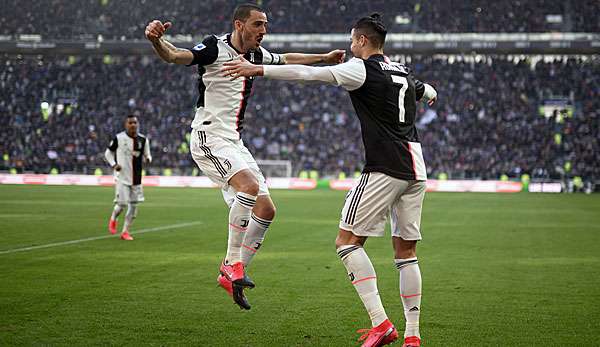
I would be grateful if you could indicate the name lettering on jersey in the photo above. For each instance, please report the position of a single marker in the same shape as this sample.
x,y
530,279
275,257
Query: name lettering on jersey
x,y
393,67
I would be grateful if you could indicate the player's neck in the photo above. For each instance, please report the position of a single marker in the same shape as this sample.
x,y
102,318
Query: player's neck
x,y
236,42
371,52
132,135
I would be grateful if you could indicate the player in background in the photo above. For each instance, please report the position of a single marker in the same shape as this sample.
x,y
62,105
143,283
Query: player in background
x,y
216,144
126,154
384,96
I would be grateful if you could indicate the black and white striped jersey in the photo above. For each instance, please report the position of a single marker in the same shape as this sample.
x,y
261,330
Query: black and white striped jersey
x,y
129,153
384,95
222,103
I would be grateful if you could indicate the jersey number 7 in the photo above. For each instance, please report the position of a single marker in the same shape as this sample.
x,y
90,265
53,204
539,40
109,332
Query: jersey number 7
x,y
402,84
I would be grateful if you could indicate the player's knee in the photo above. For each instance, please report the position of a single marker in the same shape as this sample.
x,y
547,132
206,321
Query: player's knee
x,y
122,206
267,212
249,187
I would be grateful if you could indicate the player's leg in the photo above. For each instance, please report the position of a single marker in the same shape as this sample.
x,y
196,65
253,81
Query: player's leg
x,y
263,212
120,204
135,196
364,215
406,221
245,185
261,218
220,159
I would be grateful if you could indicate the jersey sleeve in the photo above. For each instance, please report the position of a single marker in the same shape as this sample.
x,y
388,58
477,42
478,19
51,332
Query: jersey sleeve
x,y
269,58
205,53
147,154
113,145
350,75
419,89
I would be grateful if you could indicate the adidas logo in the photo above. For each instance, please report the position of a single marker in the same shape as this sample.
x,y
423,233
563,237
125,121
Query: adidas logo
x,y
413,309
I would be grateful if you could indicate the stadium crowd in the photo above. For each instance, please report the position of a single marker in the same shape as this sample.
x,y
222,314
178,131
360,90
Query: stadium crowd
x,y
486,124
65,19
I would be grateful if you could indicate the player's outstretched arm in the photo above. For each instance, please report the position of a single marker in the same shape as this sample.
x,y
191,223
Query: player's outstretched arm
x,y
165,50
242,68
334,57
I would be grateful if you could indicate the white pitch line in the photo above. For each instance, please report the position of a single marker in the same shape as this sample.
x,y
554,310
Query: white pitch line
x,y
56,244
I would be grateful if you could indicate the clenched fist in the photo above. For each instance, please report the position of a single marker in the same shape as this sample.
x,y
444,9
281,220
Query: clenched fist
x,y
156,29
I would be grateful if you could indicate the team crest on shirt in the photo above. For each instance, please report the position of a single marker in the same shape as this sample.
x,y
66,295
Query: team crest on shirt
x,y
199,47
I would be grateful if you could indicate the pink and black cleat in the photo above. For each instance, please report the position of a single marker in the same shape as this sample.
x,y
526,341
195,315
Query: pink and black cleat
x,y
125,236
112,226
381,335
412,341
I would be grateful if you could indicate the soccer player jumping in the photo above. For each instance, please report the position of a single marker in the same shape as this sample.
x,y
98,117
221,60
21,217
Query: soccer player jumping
x,y
216,144
125,155
384,96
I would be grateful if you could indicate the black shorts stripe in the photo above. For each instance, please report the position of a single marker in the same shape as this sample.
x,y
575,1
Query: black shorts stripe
x,y
345,252
214,160
202,137
360,188
352,201
261,222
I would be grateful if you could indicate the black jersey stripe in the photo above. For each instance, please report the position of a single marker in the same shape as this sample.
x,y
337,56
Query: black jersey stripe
x,y
356,200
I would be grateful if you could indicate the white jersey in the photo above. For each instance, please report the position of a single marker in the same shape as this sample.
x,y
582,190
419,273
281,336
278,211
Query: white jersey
x,y
129,153
222,103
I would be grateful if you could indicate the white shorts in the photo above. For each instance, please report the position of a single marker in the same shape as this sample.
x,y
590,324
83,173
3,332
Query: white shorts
x,y
220,158
377,195
125,194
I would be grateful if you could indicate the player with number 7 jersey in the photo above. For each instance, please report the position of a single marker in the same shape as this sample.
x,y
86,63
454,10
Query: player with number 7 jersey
x,y
384,96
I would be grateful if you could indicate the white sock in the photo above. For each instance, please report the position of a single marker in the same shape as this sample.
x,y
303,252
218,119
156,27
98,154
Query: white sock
x,y
410,292
363,277
255,235
116,212
130,216
239,218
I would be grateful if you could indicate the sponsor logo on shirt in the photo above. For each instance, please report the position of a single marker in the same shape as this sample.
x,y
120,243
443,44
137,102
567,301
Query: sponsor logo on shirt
x,y
199,47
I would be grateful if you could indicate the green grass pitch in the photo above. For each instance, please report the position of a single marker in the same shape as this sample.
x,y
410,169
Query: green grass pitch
x,y
498,270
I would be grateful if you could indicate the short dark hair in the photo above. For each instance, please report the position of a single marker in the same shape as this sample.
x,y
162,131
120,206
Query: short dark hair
x,y
130,115
242,12
373,28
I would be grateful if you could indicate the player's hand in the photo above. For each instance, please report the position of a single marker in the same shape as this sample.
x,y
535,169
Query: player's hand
x,y
335,57
156,29
117,167
240,67
432,101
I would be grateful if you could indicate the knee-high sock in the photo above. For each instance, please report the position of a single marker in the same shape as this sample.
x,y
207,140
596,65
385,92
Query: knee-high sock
x,y
239,219
410,292
363,277
117,211
255,235
130,216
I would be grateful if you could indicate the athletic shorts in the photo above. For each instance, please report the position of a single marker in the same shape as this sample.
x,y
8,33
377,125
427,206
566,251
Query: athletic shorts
x,y
220,158
377,196
125,194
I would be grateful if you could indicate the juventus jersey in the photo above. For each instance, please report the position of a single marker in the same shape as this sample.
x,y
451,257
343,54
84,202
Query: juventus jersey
x,y
384,95
128,152
221,102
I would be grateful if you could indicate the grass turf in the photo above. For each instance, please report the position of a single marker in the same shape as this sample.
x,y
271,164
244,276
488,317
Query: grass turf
x,y
510,270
